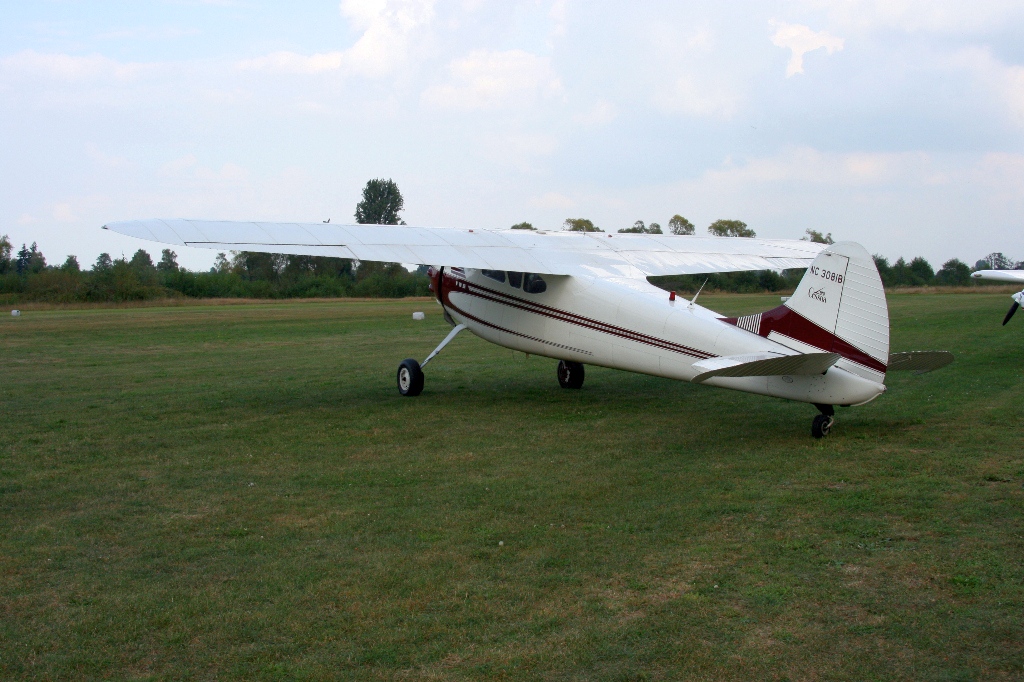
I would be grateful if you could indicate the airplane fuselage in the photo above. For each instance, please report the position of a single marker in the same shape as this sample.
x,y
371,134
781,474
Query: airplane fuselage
x,y
631,325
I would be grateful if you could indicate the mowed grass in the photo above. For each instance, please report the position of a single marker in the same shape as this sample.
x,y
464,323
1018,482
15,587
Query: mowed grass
x,y
240,492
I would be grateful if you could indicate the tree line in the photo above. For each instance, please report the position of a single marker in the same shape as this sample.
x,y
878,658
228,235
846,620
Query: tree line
x,y
26,276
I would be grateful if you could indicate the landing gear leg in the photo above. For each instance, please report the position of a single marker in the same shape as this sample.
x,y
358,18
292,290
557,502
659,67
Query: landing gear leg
x,y
410,372
570,374
822,423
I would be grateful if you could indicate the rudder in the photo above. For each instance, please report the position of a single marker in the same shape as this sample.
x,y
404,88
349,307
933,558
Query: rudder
x,y
839,307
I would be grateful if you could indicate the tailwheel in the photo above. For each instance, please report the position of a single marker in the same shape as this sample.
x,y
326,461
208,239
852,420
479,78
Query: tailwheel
x,y
821,425
570,374
410,378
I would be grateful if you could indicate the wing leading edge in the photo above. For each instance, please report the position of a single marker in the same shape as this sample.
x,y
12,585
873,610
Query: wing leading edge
x,y
555,253
1014,276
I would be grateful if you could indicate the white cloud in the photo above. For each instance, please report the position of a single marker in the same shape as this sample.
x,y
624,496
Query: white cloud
x,y
602,113
291,62
188,168
853,169
800,40
489,80
698,96
105,160
702,40
62,213
559,15
1004,81
148,33
939,16
179,165
553,200
518,150
67,67
387,26
387,29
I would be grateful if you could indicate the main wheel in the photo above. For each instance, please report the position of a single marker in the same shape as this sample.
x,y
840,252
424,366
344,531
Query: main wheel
x,y
821,425
570,374
410,378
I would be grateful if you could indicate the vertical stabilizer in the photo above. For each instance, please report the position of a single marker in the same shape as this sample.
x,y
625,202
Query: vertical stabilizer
x,y
838,307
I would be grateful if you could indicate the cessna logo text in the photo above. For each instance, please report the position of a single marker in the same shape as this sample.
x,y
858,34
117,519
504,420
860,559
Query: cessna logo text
x,y
818,295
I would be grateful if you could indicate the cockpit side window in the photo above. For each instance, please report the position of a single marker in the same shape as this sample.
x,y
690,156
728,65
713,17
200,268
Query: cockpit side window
x,y
515,279
496,275
534,284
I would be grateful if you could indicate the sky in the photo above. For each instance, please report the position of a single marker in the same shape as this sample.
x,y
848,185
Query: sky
x,y
898,124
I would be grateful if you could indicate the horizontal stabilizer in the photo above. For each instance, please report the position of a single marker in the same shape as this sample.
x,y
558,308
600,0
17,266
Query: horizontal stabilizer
x,y
919,361
764,365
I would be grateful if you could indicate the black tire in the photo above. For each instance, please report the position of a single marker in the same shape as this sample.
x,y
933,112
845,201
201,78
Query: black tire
x,y
570,374
410,378
821,426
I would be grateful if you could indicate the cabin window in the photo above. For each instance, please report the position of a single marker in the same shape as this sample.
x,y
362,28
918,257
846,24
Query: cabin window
x,y
515,279
496,275
534,284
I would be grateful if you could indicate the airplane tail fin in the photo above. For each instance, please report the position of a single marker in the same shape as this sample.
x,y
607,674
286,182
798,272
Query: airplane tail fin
x,y
838,307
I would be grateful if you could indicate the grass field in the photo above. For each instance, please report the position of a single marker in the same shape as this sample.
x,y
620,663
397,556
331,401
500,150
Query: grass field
x,y
240,492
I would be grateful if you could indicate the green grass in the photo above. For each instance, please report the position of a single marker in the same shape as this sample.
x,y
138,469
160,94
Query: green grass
x,y
239,492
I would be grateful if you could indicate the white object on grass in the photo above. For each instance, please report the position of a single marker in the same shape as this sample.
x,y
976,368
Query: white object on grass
x,y
418,316
15,313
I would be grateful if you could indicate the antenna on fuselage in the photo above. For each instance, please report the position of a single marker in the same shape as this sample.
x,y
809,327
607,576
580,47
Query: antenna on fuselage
x,y
697,294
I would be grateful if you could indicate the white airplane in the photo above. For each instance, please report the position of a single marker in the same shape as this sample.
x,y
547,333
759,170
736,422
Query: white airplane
x,y
1014,276
583,298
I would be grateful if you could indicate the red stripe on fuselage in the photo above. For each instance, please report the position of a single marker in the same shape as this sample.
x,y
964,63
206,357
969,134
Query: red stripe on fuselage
x,y
458,285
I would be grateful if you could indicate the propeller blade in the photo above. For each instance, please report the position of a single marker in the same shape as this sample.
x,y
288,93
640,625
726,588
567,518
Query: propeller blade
x,y
1013,309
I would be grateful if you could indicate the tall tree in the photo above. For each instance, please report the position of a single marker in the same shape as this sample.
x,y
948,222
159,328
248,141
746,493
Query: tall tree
x,y
36,261
5,254
168,261
103,263
221,264
24,259
580,225
995,261
141,261
71,265
730,228
638,228
954,272
922,270
142,265
255,266
382,202
677,224
884,269
817,237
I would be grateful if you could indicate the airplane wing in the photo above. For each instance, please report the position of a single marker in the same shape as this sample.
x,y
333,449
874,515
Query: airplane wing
x,y
556,253
1000,275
